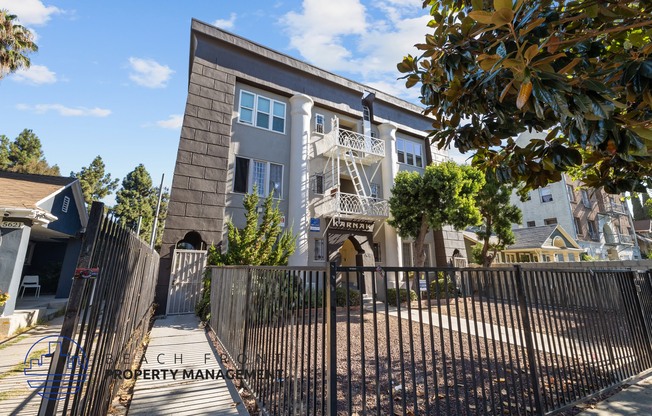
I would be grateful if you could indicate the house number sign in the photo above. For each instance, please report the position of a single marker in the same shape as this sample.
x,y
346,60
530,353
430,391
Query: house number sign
x,y
11,224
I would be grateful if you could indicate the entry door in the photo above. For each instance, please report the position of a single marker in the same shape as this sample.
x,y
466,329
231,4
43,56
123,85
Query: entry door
x,y
185,281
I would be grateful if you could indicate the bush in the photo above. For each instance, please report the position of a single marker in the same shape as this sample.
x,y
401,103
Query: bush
x,y
441,287
340,297
403,294
314,299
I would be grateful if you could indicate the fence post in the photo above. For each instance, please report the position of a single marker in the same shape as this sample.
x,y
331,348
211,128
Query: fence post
x,y
49,406
331,343
529,344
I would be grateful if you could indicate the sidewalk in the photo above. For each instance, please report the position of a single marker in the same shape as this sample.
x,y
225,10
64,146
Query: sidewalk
x,y
634,400
16,397
180,360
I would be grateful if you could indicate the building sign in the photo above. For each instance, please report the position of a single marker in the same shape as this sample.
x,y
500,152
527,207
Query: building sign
x,y
352,225
314,224
11,224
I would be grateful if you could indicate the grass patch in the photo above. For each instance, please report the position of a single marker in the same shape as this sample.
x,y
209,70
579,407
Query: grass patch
x,y
12,341
18,368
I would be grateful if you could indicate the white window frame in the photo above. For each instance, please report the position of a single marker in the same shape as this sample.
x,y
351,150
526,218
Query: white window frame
x,y
547,197
319,249
409,149
320,123
374,191
65,205
266,177
570,190
255,112
316,179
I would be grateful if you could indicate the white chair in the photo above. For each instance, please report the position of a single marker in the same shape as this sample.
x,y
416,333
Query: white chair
x,y
30,281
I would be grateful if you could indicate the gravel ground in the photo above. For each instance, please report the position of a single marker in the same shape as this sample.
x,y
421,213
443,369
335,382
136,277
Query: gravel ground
x,y
391,366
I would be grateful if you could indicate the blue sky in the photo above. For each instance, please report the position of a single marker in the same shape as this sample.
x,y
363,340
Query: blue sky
x,y
110,78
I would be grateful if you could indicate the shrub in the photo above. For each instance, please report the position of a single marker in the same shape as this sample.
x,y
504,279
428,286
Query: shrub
x,y
441,287
403,294
314,299
340,297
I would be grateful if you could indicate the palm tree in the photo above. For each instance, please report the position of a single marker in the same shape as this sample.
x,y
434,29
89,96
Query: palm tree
x,y
15,42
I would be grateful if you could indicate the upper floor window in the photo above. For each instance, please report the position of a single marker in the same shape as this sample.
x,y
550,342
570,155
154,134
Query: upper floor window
x,y
262,112
318,183
375,190
66,204
546,194
586,200
550,221
319,123
571,193
266,177
531,224
409,152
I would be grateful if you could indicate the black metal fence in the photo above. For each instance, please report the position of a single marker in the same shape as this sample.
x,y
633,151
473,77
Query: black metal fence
x,y
465,341
106,319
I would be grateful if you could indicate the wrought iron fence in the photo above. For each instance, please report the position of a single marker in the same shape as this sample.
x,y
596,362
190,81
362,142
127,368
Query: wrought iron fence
x,y
106,319
459,341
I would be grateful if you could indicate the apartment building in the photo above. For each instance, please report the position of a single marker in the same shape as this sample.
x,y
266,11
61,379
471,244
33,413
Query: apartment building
x,y
327,149
600,223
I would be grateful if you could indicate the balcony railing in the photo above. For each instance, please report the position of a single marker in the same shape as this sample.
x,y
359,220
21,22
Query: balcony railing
x,y
352,206
361,143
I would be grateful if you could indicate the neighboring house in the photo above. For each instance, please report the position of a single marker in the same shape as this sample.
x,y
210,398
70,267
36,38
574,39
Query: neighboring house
x,y
643,229
326,147
41,219
600,223
547,243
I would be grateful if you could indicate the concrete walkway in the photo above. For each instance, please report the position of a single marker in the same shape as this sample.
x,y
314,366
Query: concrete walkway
x,y
177,377
633,401
16,397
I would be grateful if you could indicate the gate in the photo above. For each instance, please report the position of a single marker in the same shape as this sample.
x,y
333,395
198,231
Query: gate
x,y
185,281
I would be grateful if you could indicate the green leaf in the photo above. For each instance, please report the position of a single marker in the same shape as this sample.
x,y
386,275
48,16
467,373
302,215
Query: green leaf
x,y
503,4
502,17
531,52
477,4
481,17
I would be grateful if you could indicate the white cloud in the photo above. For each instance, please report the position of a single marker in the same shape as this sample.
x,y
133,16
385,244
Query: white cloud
x,y
367,42
226,23
174,121
30,12
65,111
318,32
35,75
149,73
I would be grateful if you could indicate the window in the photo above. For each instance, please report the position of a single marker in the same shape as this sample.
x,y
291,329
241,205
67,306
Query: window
x,y
550,221
366,114
319,123
377,254
571,193
262,112
531,223
66,204
318,183
560,257
578,226
319,250
571,256
409,152
585,198
375,191
546,194
592,230
267,177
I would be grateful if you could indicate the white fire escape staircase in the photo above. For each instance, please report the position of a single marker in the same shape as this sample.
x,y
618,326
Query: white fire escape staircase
x,y
356,151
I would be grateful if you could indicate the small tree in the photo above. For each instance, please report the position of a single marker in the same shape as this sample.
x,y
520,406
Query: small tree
x,y
498,215
95,183
443,195
262,242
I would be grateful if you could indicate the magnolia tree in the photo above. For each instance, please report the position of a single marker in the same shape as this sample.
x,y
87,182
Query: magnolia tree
x,y
579,70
